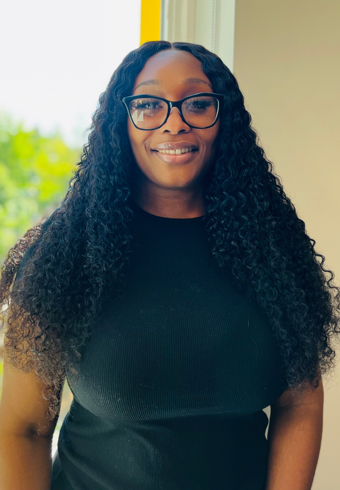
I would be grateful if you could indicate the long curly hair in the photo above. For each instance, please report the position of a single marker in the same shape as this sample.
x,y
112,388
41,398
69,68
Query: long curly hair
x,y
81,251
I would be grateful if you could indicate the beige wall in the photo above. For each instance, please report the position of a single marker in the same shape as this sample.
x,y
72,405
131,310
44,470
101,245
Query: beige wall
x,y
287,63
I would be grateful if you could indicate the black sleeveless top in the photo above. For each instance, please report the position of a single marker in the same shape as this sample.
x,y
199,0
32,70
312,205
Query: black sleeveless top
x,y
174,379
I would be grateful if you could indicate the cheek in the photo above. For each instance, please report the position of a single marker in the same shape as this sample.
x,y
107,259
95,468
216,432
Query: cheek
x,y
137,139
133,136
214,136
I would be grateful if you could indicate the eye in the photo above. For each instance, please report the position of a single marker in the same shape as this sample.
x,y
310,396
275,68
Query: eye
x,y
197,105
146,104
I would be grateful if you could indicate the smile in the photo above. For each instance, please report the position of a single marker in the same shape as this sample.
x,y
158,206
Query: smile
x,y
176,152
176,156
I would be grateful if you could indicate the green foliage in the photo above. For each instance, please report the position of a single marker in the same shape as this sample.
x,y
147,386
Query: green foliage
x,y
35,171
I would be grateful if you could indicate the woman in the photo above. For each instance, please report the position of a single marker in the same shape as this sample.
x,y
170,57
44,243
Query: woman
x,y
178,292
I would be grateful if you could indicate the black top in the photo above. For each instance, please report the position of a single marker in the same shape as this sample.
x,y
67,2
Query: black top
x,y
174,379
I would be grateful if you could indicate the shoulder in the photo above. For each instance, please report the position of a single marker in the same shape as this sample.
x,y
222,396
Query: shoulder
x,y
308,396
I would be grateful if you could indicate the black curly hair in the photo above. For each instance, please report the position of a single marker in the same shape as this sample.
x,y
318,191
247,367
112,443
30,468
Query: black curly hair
x,y
80,253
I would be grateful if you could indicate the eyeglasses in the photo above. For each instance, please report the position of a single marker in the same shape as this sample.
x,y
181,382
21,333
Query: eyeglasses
x,y
147,112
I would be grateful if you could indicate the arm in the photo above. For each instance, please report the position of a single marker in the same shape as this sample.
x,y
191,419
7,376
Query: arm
x,y
25,462
294,437
26,433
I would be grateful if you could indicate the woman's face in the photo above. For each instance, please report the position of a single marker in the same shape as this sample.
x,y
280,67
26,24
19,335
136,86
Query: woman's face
x,y
167,74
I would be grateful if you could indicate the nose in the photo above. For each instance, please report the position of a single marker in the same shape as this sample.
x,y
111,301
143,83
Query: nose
x,y
175,123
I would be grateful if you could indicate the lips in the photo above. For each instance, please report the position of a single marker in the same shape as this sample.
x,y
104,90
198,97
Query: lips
x,y
176,159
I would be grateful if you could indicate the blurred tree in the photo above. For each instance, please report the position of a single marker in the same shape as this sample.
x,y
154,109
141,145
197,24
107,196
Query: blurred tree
x,y
35,171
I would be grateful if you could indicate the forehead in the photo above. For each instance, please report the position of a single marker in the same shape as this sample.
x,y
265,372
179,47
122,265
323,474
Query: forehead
x,y
171,67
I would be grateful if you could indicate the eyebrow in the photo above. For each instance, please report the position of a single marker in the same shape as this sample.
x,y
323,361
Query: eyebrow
x,y
188,81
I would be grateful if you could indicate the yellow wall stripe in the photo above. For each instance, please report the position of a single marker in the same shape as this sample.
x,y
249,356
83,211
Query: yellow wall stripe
x,y
150,23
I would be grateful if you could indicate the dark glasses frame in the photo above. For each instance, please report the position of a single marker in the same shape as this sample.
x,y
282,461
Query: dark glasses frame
x,y
171,104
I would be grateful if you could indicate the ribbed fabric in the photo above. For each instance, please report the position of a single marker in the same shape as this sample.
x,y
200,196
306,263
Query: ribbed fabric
x,y
173,382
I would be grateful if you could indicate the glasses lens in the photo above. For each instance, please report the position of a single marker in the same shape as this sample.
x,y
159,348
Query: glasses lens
x,y
147,112
200,111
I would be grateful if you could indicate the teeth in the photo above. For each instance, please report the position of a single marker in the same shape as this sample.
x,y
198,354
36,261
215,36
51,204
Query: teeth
x,y
175,152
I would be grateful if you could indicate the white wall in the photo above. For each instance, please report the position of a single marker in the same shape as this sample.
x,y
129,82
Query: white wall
x,y
206,22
